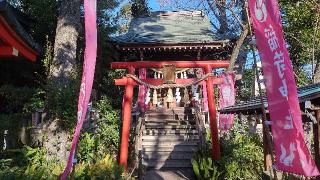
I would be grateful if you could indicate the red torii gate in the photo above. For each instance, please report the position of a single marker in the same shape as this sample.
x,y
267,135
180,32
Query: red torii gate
x,y
130,83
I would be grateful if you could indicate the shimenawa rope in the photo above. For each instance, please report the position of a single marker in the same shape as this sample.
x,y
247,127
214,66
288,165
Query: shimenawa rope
x,y
197,81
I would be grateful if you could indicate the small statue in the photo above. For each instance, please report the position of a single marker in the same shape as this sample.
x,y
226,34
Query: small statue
x,y
169,96
186,98
155,98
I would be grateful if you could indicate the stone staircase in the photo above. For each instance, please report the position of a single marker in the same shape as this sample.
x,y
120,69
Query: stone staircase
x,y
169,138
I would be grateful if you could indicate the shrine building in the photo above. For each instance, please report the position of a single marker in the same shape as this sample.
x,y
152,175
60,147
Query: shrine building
x,y
170,57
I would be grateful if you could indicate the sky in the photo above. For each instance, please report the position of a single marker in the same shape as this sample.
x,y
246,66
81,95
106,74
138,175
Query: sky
x,y
154,5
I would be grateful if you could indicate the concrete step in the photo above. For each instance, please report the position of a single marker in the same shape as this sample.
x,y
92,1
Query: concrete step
x,y
165,142
170,148
167,164
169,120
157,116
161,126
169,132
173,122
169,138
163,156
176,110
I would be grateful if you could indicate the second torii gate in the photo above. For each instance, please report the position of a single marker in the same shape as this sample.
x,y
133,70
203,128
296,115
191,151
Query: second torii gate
x,y
129,83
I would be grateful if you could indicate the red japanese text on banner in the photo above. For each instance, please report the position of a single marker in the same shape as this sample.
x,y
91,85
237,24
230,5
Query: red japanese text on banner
x,y
87,76
226,98
291,152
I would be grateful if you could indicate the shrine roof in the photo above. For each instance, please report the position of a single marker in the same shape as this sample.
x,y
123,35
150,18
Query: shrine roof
x,y
18,21
178,27
305,93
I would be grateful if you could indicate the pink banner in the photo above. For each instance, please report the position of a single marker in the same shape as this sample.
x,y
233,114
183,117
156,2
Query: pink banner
x,y
291,152
226,98
87,76
142,90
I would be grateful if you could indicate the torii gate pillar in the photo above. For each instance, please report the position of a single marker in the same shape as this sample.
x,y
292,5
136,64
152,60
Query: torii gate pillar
x,y
213,116
126,120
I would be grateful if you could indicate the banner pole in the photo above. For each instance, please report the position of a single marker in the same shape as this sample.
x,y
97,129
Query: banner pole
x,y
267,141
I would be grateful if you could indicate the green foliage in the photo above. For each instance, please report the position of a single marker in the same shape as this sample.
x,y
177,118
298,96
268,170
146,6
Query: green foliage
x,y
47,57
244,89
15,98
94,146
33,165
107,112
44,13
125,16
87,148
5,163
301,26
62,101
37,101
105,168
203,166
107,88
37,166
139,8
242,157
11,123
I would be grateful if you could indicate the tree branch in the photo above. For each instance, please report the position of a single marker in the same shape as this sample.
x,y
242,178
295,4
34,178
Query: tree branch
x,y
233,14
237,47
227,8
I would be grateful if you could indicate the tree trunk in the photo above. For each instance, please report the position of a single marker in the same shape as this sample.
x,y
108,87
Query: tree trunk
x,y
65,48
62,77
237,47
316,76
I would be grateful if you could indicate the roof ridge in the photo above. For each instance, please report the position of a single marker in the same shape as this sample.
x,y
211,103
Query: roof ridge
x,y
198,13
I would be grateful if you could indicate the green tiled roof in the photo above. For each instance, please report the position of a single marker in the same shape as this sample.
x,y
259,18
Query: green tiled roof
x,y
304,94
170,27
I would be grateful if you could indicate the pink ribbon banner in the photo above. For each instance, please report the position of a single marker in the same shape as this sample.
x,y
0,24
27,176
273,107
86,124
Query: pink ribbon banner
x,y
226,98
142,90
291,152
87,76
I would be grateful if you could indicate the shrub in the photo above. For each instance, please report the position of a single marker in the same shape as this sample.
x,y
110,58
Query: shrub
x,y
15,97
36,166
242,157
203,166
62,103
12,123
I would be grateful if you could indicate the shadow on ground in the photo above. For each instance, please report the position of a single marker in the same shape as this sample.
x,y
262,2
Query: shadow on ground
x,y
178,174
